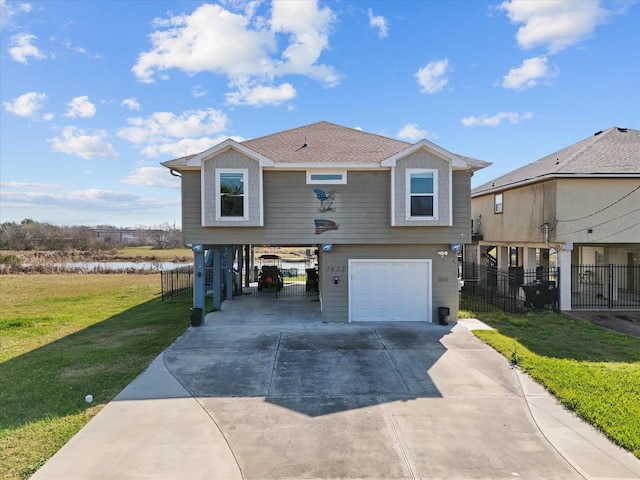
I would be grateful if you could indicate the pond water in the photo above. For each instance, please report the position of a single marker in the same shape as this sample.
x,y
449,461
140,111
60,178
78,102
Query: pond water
x,y
142,266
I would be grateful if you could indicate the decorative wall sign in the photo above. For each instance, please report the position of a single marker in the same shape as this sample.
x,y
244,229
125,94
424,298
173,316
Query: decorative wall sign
x,y
324,225
326,200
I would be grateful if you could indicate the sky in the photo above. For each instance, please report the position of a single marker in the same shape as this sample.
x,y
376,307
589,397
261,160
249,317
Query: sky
x,y
95,94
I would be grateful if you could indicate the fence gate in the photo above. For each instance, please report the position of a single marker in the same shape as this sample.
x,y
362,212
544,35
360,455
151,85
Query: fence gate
x,y
605,287
275,283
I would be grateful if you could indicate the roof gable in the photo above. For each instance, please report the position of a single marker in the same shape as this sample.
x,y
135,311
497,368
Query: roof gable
x,y
610,153
454,160
196,161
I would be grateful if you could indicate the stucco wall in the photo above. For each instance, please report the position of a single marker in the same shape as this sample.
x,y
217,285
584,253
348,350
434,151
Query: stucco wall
x,y
525,209
598,204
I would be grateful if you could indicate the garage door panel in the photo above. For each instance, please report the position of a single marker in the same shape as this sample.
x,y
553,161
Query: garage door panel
x,y
390,290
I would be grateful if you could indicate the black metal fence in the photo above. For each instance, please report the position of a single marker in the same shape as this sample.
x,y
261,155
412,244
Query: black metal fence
x,y
277,283
605,287
289,283
177,283
486,288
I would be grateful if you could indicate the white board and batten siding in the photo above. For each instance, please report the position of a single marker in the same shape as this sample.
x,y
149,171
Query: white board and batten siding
x,y
388,290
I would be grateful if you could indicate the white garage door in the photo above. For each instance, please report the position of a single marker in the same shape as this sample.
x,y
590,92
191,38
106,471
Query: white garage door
x,y
389,290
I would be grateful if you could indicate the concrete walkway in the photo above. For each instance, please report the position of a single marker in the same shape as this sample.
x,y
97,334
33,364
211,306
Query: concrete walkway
x,y
265,390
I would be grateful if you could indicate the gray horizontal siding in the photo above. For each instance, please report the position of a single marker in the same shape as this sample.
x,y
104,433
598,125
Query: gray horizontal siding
x,y
335,298
362,213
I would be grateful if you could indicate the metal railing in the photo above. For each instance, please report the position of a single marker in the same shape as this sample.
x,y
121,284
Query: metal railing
x,y
177,283
486,288
605,287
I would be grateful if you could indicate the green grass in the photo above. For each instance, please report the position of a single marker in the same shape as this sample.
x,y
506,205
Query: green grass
x,y
65,336
591,370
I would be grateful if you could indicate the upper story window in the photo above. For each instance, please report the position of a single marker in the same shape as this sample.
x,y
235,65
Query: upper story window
x,y
327,177
497,203
231,193
422,194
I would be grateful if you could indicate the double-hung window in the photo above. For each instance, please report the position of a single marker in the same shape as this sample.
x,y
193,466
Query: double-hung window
x,y
231,192
497,203
422,194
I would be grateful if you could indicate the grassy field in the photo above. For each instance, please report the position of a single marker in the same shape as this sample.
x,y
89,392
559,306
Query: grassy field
x,y
63,337
593,371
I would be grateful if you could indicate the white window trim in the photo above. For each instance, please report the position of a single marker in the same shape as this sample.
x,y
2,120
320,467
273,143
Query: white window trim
x,y
498,207
341,181
245,174
408,174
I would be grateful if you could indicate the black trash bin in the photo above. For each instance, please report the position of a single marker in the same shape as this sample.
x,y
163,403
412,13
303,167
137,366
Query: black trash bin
x,y
196,317
540,294
443,313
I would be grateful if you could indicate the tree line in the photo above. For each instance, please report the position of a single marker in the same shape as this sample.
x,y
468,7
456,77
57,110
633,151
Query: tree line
x,y
32,235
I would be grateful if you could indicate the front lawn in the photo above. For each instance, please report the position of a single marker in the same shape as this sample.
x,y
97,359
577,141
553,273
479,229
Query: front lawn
x,y
63,337
593,371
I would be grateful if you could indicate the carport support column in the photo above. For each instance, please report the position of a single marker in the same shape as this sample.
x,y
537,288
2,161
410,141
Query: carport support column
x,y
247,266
216,284
564,262
529,260
228,274
198,279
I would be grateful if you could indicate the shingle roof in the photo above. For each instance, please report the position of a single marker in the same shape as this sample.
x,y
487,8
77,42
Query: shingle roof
x,y
325,143
613,152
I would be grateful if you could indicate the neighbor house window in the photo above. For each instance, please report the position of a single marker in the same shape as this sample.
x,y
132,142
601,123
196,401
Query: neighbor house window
x,y
231,193
497,203
422,194
327,177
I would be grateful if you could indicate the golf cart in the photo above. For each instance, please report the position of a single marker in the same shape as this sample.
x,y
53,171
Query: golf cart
x,y
270,276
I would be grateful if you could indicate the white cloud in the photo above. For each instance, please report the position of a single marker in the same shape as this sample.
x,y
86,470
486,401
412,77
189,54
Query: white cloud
x,y
432,77
261,95
14,184
528,74
73,48
80,107
88,206
412,133
308,28
378,22
496,120
26,105
184,147
75,141
83,199
163,127
131,103
198,91
9,9
152,177
21,48
242,46
555,24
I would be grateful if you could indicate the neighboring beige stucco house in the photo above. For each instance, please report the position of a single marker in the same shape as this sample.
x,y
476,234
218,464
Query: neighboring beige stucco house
x,y
393,206
581,203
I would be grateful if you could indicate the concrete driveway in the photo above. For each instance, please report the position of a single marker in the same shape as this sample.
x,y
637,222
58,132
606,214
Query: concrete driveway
x,y
265,390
